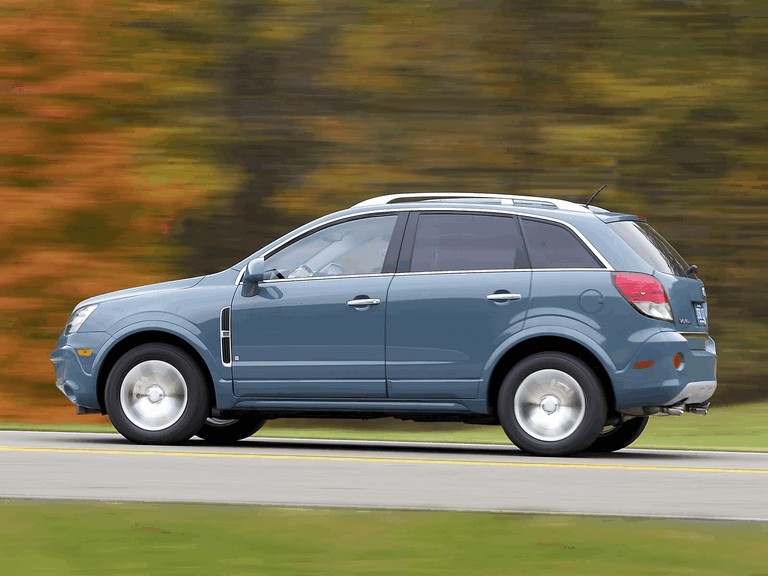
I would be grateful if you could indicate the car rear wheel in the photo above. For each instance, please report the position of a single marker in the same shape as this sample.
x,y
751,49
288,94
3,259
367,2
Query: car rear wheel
x,y
552,404
156,394
219,431
620,436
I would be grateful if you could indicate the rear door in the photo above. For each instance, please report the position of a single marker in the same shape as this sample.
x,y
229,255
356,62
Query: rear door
x,y
462,288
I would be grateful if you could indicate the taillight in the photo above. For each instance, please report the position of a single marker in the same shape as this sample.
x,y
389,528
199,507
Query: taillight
x,y
645,293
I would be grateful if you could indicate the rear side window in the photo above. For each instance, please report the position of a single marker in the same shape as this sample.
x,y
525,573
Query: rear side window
x,y
553,246
467,242
651,247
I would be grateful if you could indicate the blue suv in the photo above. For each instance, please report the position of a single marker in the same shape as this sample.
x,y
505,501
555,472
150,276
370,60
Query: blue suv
x,y
567,324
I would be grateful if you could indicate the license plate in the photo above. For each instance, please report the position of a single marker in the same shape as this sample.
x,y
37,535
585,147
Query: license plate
x,y
701,315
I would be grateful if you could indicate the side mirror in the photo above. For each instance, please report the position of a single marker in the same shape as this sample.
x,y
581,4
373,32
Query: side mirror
x,y
254,273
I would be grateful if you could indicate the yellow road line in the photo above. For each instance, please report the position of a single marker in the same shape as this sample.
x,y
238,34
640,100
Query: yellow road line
x,y
382,460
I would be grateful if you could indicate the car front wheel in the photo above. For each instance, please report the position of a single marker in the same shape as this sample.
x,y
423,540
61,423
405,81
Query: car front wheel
x,y
552,404
219,431
156,394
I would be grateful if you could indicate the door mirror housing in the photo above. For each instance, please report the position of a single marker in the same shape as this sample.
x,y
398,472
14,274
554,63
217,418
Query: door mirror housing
x,y
254,273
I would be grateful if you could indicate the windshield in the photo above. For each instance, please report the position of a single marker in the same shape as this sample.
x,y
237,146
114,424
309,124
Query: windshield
x,y
652,247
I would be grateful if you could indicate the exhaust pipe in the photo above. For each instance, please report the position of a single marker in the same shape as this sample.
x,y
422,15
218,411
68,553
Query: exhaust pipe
x,y
674,410
698,409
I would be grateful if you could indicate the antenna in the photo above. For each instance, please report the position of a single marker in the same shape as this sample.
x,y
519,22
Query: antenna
x,y
603,187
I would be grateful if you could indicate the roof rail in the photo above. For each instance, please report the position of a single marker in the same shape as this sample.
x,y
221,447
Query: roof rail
x,y
531,201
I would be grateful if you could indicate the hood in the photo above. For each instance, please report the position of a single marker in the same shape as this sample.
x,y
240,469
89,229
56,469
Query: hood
x,y
141,290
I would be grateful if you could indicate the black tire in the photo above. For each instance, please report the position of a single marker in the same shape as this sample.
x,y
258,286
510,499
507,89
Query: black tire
x,y
619,436
552,404
157,394
216,431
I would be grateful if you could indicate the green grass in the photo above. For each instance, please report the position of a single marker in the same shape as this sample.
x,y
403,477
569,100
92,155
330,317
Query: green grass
x,y
740,427
68,538
86,427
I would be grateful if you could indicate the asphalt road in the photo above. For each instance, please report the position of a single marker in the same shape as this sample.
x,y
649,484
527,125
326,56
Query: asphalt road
x,y
385,475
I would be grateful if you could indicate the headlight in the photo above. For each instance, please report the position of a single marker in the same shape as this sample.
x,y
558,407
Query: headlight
x,y
77,319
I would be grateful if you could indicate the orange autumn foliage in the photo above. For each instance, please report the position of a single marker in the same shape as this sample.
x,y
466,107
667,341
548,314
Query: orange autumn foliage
x,y
70,187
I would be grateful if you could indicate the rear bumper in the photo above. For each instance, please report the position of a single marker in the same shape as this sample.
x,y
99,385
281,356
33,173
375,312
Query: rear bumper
x,y
694,382
695,392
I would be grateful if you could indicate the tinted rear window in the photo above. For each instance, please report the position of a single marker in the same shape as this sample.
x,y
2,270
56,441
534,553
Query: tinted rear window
x,y
652,247
467,242
553,246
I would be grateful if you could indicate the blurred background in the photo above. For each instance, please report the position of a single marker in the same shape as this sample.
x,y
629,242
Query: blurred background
x,y
144,141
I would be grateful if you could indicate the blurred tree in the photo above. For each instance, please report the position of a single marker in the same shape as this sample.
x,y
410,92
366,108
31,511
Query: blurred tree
x,y
265,89
88,190
144,140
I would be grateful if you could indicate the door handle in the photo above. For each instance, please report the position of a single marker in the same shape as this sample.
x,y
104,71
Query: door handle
x,y
503,297
364,302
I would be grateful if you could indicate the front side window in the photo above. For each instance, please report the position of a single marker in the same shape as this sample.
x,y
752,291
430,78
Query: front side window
x,y
351,247
445,242
551,245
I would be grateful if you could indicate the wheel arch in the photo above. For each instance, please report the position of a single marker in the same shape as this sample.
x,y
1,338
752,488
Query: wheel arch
x,y
546,344
148,337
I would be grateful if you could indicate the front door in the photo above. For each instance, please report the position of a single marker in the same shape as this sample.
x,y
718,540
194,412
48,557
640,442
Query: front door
x,y
316,329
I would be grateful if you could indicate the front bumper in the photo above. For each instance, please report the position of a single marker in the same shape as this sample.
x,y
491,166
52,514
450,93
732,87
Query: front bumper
x,y
76,361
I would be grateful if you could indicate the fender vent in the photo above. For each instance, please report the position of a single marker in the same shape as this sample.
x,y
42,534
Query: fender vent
x,y
226,340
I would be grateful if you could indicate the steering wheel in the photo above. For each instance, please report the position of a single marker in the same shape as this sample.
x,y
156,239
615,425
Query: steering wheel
x,y
302,271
